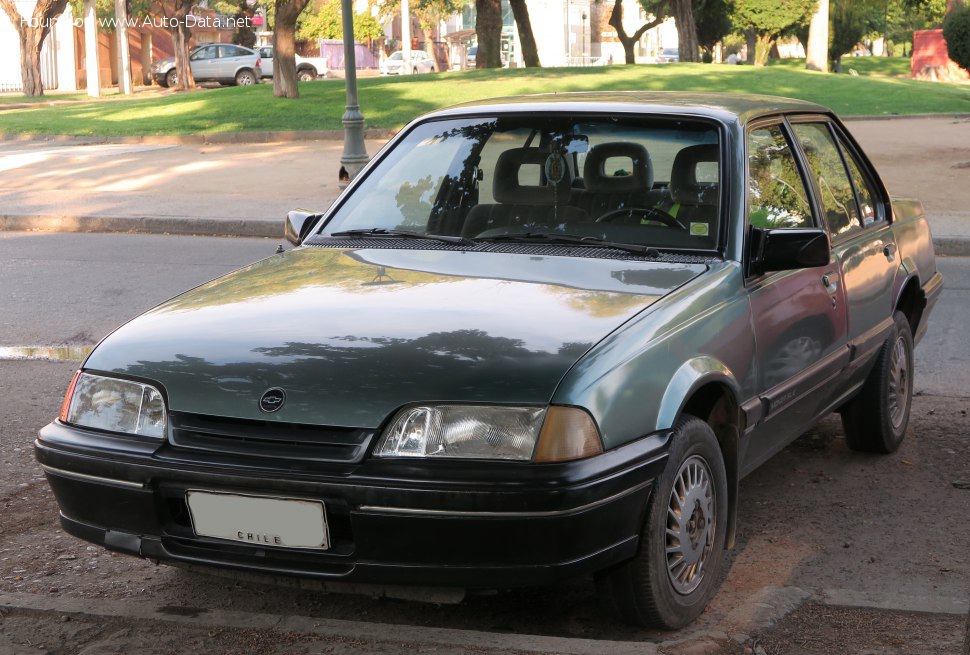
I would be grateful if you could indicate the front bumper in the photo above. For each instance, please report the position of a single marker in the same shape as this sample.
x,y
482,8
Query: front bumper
x,y
465,524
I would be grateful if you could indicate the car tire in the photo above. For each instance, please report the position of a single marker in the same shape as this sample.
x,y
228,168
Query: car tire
x,y
875,420
171,78
306,75
664,589
245,77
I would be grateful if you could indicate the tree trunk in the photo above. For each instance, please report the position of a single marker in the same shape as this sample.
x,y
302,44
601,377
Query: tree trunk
x,y
93,70
30,72
817,48
32,33
428,33
180,43
762,48
124,53
488,25
751,44
530,53
284,48
686,30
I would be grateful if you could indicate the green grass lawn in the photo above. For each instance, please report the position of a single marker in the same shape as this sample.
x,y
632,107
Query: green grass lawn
x,y
869,66
390,103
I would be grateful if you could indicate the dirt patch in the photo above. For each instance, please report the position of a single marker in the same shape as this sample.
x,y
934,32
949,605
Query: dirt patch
x,y
816,629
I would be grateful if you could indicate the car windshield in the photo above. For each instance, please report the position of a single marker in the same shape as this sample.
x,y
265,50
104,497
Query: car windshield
x,y
397,56
670,51
650,182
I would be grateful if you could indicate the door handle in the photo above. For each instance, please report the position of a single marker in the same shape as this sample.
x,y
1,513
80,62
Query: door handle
x,y
831,282
890,251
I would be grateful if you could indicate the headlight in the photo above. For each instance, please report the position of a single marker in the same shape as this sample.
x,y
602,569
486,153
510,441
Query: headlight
x,y
482,432
94,401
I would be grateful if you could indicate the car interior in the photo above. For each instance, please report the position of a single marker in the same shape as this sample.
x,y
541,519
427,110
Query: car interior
x,y
656,185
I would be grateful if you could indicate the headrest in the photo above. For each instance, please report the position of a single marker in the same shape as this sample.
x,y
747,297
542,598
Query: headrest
x,y
640,178
684,187
506,188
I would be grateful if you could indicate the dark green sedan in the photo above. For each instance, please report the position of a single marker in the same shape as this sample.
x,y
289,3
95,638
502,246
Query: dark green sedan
x,y
536,338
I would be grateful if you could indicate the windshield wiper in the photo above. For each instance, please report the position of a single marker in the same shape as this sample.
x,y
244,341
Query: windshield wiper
x,y
574,239
382,232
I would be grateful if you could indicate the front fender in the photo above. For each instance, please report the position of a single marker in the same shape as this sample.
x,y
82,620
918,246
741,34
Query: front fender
x,y
691,376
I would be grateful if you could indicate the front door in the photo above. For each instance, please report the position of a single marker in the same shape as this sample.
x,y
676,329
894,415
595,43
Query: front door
x,y
856,215
799,316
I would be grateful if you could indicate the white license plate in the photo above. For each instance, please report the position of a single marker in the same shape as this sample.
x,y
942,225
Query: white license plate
x,y
259,520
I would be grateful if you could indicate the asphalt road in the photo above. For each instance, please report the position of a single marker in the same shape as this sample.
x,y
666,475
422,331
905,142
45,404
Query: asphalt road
x,y
822,529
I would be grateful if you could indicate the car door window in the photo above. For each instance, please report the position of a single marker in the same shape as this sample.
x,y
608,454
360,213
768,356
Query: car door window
x,y
777,197
204,53
828,170
870,210
266,53
226,51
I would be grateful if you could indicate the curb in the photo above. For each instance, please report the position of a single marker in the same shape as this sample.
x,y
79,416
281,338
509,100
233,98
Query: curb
x,y
204,138
948,246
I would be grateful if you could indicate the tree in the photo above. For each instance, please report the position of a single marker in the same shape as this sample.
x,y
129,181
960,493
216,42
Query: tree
x,y
683,13
630,40
177,12
32,31
816,49
327,24
284,47
429,13
488,26
765,20
713,21
956,31
530,53
850,21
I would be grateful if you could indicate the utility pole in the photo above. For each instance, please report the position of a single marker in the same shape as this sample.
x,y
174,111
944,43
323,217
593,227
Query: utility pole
x,y
355,151
124,56
405,38
91,49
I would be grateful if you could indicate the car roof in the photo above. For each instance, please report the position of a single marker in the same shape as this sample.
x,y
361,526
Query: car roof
x,y
726,107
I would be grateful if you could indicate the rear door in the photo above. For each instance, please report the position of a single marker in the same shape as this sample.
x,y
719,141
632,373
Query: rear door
x,y
798,316
856,215
231,59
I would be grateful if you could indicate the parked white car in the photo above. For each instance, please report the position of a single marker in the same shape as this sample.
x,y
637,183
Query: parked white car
x,y
421,62
307,68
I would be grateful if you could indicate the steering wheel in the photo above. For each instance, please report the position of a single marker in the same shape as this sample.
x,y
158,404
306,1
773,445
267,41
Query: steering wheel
x,y
649,213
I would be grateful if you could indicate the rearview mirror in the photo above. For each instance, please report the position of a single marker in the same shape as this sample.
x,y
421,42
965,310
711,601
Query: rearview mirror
x,y
785,250
298,224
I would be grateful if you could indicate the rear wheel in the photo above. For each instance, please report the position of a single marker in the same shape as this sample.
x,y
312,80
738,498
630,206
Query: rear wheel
x,y
306,75
875,420
677,571
245,78
172,78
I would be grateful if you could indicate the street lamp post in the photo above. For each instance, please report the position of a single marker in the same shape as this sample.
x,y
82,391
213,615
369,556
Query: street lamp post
x,y
584,37
355,151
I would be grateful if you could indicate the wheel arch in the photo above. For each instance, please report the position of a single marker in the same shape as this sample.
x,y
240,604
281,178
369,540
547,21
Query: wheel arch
x,y
911,301
704,387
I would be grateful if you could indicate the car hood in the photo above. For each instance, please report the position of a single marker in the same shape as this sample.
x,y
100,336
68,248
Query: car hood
x,y
352,335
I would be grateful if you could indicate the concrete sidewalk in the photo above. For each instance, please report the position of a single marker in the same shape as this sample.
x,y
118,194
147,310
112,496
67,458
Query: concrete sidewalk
x,y
245,189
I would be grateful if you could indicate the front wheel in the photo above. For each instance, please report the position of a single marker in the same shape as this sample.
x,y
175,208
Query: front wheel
x,y
875,420
245,78
172,78
677,570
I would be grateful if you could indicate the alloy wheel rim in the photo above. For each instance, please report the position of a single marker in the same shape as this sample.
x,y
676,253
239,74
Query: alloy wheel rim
x,y
898,383
691,525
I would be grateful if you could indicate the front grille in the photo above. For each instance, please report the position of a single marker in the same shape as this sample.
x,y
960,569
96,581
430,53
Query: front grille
x,y
273,440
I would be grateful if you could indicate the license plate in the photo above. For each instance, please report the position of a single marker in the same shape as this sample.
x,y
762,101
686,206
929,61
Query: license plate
x,y
259,520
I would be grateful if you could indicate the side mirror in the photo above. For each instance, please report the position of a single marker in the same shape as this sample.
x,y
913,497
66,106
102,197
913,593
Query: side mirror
x,y
785,250
298,224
